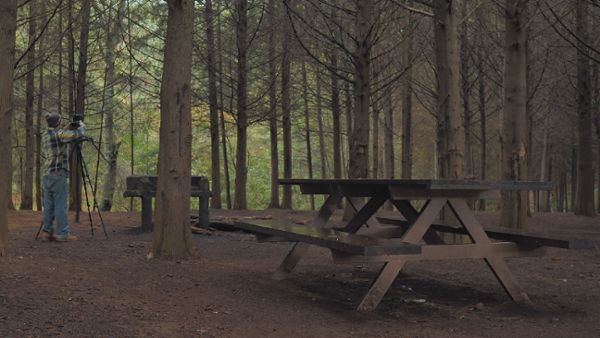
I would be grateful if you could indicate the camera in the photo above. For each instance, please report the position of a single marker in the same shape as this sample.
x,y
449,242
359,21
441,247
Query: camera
x,y
76,120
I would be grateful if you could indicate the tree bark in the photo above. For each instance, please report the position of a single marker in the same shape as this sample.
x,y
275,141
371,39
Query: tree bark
x,y
390,158
483,127
349,122
222,115
585,157
450,126
358,158
544,206
514,127
172,235
215,171
573,178
38,125
75,174
309,160
466,88
274,203
286,113
322,147
8,26
375,139
335,117
112,146
27,193
407,94
241,169
596,104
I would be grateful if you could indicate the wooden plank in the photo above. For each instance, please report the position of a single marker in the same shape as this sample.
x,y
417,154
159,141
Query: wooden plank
x,y
329,238
424,184
444,252
526,238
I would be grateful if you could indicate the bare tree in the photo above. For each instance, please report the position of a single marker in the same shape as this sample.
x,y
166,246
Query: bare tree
x,y
112,145
286,113
211,65
272,15
27,193
8,24
172,235
79,103
585,157
450,126
514,124
241,173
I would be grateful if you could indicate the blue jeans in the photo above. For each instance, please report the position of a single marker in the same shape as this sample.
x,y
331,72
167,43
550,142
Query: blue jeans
x,y
56,190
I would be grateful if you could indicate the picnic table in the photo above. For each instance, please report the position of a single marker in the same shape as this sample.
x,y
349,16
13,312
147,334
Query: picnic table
x,y
413,234
144,187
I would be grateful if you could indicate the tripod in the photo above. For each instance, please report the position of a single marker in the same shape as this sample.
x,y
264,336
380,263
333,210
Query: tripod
x,y
85,175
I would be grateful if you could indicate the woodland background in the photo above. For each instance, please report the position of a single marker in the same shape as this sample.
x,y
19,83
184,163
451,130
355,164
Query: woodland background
x,y
275,93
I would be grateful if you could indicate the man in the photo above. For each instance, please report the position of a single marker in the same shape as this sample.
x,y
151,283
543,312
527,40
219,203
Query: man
x,y
56,172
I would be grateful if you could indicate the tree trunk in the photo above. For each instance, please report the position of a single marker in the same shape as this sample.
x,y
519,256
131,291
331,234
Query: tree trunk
x,y
483,128
390,159
131,107
543,205
274,203
286,108
112,146
349,109
322,148
585,157
596,104
358,158
450,126
172,235
38,131
514,128
222,115
375,140
335,117
241,169
8,26
215,171
407,103
309,160
76,179
573,177
466,88
27,193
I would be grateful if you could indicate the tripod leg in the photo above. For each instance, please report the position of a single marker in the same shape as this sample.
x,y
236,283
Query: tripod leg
x,y
86,176
39,230
87,199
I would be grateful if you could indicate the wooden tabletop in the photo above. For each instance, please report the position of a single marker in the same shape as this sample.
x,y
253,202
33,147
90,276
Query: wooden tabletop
x,y
429,184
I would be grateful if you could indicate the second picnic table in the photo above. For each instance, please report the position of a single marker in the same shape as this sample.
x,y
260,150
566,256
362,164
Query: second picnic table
x,y
412,237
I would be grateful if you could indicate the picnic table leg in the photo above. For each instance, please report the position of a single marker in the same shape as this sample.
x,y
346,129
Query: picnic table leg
x,y
495,263
203,220
390,270
410,213
147,213
370,208
363,213
300,249
380,286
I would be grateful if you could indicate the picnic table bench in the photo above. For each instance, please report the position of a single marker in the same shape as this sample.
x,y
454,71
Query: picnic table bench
x,y
412,236
144,187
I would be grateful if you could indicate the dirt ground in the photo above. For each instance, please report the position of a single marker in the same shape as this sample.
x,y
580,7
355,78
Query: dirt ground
x,y
107,288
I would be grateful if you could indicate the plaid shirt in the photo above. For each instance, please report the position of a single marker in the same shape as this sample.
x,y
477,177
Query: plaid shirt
x,y
57,151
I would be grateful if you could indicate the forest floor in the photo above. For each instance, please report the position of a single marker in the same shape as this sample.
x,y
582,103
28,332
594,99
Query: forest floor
x,y
108,288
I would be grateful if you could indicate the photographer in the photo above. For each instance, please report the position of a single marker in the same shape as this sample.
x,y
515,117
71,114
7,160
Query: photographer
x,y
56,172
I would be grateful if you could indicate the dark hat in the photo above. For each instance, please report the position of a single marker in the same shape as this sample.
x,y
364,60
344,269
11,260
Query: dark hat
x,y
53,119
